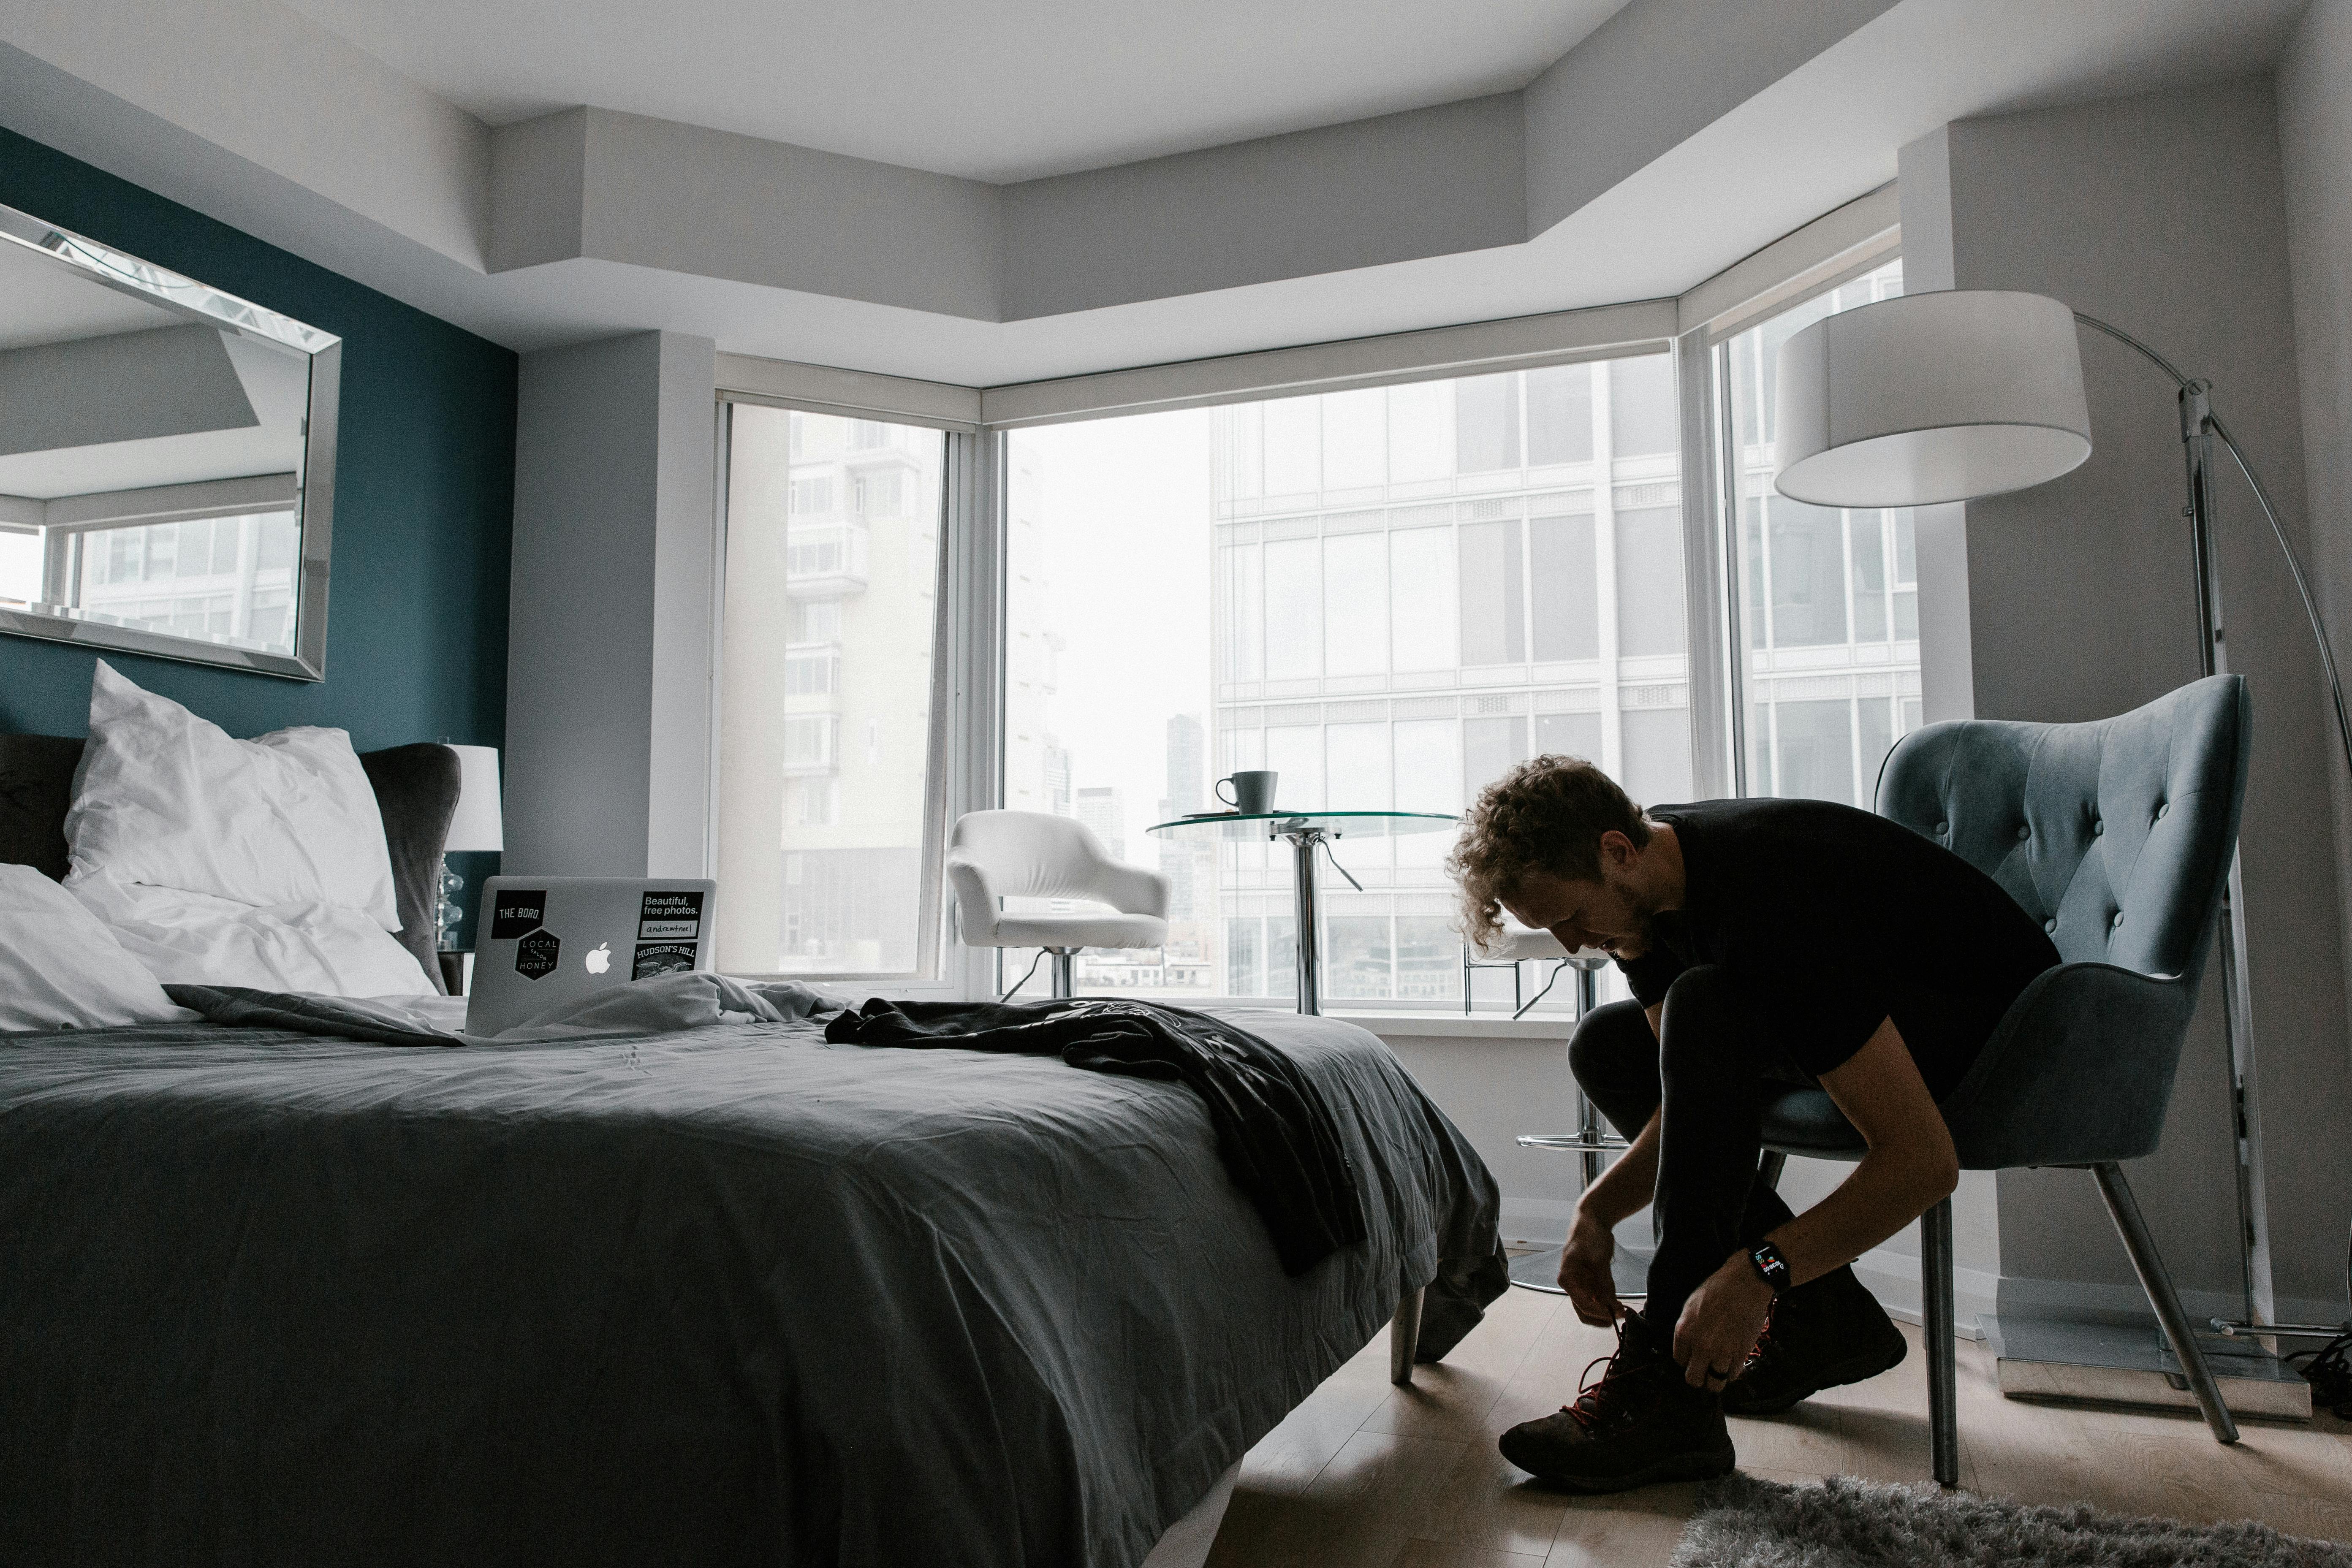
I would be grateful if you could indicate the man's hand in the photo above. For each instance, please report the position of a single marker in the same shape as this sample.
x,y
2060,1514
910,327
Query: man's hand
x,y
1720,1323
1585,1274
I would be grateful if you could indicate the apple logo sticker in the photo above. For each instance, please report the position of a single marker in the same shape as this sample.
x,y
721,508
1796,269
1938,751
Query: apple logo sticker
x,y
600,957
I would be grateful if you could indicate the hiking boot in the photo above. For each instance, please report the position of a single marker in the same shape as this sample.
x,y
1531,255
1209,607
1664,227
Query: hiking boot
x,y
1638,1423
1824,1332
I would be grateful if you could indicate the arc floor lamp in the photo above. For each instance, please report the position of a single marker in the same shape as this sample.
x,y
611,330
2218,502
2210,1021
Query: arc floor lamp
x,y
1965,394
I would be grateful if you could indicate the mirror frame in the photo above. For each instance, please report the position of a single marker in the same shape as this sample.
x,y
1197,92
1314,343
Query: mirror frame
x,y
314,495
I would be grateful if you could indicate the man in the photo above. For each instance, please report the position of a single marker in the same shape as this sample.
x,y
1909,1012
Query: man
x,y
1767,943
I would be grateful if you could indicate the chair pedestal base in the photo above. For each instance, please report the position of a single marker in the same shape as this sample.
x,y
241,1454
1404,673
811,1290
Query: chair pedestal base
x,y
1541,1272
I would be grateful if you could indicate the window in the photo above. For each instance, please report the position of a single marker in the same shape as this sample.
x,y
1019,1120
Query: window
x,y
810,672
879,493
809,742
1387,596
828,748
20,566
229,579
1828,598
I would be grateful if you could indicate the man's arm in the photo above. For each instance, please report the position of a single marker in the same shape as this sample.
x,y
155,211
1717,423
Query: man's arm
x,y
1910,1167
1619,1194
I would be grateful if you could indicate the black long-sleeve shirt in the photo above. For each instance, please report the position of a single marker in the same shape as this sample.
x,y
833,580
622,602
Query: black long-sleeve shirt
x,y
1833,919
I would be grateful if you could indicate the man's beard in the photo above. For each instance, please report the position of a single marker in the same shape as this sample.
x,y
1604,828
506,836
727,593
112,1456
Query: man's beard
x,y
1640,917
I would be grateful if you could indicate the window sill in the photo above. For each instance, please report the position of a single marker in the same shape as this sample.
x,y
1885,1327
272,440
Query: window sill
x,y
1460,1026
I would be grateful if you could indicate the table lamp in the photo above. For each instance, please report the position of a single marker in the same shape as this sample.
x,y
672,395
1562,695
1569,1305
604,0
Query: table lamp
x,y
478,823
1964,394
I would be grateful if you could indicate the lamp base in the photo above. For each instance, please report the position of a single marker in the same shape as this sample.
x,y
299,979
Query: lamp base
x,y
2074,1363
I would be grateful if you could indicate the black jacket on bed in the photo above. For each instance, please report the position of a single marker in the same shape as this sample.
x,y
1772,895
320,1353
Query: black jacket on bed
x,y
1274,1131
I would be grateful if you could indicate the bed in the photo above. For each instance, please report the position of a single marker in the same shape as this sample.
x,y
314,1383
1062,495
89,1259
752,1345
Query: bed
x,y
731,1295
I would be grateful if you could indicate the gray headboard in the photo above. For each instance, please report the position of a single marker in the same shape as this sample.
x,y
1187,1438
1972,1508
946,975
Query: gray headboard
x,y
416,789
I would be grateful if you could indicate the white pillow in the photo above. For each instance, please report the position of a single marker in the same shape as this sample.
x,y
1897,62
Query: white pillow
x,y
166,798
194,938
59,969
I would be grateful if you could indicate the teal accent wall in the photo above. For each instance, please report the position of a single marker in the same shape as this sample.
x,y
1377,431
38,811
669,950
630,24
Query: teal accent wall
x,y
417,618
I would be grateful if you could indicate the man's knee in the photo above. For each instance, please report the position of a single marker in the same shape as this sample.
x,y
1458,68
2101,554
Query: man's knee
x,y
1613,1046
1701,1020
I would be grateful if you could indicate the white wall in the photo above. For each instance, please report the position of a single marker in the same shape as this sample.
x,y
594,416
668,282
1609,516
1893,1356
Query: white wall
x,y
1495,1087
2315,104
610,614
2163,214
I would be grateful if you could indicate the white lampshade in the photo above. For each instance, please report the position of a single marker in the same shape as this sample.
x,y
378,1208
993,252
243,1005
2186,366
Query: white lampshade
x,y
1929,398
480,820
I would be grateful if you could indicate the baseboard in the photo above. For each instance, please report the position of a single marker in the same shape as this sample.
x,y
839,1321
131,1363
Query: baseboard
x,y
1894,1278
2083,1301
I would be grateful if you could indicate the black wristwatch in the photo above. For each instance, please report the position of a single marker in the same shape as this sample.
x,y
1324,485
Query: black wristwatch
x,y
1771,1265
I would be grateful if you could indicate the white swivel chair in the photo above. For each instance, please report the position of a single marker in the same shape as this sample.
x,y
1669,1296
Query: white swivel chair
x,y
1516,946
996,855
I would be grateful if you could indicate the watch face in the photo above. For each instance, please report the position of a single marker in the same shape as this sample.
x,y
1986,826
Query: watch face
x,y
1771,1265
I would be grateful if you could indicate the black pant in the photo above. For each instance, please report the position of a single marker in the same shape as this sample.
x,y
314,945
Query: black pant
x,y
1713,1077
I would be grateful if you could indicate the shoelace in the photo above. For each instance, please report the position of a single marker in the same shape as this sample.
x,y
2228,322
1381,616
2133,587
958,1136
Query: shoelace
x,y
1593,1397
1763,1345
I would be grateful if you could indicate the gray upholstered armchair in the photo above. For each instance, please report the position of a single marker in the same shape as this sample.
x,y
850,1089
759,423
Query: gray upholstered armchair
x,y
2117,836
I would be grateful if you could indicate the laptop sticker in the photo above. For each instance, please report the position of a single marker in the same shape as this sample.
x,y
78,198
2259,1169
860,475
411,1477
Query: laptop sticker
x,y
662,958
536,954
519,913
670,917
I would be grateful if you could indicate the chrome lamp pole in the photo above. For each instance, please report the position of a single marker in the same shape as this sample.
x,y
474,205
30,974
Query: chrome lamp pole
x,y
2200,428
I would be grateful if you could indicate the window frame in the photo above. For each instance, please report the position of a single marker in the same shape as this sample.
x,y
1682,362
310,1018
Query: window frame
x,y
942,969
1714,539
970,625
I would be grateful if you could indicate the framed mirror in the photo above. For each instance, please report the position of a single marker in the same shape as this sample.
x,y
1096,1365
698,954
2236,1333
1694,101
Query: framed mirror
x,y
167,460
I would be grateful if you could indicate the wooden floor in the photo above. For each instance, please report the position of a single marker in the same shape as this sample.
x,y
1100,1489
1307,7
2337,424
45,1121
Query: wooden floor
x,y
1364,1475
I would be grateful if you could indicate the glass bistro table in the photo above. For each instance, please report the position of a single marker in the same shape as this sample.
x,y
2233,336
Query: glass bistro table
x,y
1306,831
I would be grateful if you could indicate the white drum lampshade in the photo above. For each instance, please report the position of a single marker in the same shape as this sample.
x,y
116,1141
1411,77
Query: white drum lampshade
x,y
479,822
1928,397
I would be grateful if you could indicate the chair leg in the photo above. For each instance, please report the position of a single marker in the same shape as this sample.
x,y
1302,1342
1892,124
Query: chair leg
x,y
1065,966
2124,1208
1769,1168
1943,1371
1404,1338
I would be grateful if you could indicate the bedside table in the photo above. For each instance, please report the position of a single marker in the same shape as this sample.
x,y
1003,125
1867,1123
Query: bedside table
x,y
456,969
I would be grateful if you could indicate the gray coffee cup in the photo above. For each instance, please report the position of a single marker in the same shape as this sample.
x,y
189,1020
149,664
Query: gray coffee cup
x,y
1253,793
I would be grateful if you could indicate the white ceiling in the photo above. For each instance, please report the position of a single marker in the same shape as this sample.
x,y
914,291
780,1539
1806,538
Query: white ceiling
x,y
1670,142
1014,89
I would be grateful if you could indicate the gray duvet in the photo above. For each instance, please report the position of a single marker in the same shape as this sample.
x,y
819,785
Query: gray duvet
x,y
724,1296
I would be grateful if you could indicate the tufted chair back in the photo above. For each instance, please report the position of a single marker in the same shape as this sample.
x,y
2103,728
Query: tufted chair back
x,y
2117,835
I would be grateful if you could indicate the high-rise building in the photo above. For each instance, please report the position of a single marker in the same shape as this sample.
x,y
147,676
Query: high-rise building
x,y
1054,762
1189,866
1100,810
1416,587
1188,765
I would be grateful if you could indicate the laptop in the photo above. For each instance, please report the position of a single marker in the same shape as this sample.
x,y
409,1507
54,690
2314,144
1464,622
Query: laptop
x,y
546,940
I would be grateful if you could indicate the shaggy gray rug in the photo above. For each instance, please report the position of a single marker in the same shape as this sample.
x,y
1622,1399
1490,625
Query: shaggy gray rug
x,y
1746,1524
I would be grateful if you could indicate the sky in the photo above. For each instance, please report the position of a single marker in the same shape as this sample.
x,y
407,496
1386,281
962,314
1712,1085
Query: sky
x,y
1126,519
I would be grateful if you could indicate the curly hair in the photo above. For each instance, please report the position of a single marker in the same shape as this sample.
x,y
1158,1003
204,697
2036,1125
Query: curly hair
x,y
1546,814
